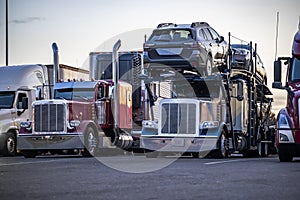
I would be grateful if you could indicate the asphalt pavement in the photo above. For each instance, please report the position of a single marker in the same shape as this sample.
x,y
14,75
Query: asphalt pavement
x,y
138,177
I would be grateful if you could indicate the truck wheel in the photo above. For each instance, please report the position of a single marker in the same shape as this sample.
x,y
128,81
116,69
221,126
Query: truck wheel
x,y
91,142
223,146
9,148
29,154
285,157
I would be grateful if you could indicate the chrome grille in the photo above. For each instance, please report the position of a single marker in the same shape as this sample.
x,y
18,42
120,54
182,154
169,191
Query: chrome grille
x,y
49,118
178,118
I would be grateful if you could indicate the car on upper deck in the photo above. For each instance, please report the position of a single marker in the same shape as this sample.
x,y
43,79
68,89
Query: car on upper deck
x,y
241,60
195,47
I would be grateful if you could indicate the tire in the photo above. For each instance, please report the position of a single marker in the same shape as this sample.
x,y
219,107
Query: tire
x,y
10,144
91,142
29,154
285,157
223,146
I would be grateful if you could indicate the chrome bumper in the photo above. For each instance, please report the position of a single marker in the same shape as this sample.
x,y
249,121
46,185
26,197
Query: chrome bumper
x,y
49,142
178,144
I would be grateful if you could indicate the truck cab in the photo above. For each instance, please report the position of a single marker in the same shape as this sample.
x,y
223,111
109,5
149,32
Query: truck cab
x,y
19,86
288,124
190,120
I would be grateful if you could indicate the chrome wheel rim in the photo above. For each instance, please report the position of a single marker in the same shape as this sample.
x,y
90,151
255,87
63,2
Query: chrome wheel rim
x,y
92,142
10,145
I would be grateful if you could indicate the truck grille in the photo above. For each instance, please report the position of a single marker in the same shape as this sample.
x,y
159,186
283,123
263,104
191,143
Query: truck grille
x,y
178,118
49,118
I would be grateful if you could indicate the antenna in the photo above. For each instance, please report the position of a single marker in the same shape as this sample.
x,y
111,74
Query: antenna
x,y
276,37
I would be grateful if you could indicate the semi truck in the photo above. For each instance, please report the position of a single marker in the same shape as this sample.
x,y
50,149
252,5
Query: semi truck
x,y
130,67
227,112
20,85
288,124
87,116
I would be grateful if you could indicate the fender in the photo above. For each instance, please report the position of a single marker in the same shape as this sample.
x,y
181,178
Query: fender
x,y
85,124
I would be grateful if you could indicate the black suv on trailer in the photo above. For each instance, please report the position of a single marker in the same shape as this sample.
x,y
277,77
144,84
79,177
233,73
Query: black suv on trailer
x,y
195,47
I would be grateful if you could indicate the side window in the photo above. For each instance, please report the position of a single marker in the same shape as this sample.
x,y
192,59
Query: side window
x,y
214,34
202,35
101,92
207,33
19,100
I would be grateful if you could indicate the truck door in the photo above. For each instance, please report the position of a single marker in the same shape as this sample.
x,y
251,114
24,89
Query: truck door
x,y
21,114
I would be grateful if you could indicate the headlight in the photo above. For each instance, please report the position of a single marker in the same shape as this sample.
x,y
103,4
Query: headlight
x,y
26,125
283,122
284,130
74,123
209,124
150,124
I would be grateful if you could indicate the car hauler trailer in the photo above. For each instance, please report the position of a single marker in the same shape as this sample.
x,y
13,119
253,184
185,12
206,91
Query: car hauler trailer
x,y
214,115
288,119
85,116
19,86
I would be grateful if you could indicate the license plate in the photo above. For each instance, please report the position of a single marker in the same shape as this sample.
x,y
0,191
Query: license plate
x,y
178,142
169,51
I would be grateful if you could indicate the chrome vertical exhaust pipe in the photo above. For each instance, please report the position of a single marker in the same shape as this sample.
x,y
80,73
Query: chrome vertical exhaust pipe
x,y
115,74
56,74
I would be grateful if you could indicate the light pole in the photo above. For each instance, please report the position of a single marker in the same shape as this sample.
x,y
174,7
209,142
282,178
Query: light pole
x,y
6,32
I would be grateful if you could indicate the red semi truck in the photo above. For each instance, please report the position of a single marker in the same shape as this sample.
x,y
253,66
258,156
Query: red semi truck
x,y
84,116
288,120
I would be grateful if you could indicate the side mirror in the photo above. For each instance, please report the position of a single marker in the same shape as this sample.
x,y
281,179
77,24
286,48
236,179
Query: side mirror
x,y
240,89
277,75
221,39
25,103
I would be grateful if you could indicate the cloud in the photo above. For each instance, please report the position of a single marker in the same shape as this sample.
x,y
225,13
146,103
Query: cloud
x,y
27,20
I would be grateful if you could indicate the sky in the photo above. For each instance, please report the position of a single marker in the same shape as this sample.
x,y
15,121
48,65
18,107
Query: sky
x,y
82,26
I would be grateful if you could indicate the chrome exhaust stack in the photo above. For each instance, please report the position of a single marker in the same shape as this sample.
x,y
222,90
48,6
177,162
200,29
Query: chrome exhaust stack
x,y
122,139
56,74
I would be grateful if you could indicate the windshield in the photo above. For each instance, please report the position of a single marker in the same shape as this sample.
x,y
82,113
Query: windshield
x,y
168,35
6,99
240,46
199,89
75,94
295,70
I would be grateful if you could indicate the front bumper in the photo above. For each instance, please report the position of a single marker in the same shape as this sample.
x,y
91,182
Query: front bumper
x,y
50,142
291,148
179,144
